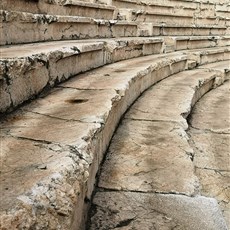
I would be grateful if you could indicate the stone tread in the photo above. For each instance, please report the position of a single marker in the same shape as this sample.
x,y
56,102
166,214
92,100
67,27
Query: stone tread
x,y
147,155
25,50
69,7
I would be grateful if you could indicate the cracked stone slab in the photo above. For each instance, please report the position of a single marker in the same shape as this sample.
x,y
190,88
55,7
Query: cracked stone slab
x,y
73,104
149,156
48,129
125,210
172,98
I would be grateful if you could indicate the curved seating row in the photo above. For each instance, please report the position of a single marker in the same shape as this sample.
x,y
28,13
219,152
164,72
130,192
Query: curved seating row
x,y
65,134
151,167
31,68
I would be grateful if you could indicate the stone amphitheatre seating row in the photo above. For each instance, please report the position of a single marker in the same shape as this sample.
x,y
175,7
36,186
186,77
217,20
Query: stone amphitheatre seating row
x,y
31,68
49,184
52,147
151,165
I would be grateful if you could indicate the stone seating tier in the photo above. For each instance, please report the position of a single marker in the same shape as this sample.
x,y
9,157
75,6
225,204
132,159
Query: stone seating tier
x,y
54,133
18,27
28,69
70,8
58,171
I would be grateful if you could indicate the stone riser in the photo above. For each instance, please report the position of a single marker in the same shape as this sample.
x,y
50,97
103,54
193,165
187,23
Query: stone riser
x,y
176,7
19,28
147,29
24,78
127,91
96,11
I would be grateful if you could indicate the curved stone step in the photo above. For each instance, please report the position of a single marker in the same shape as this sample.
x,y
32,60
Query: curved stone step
x,y
56,173
210,137
150,29
150,157
20,27
28,69
69,7
42,65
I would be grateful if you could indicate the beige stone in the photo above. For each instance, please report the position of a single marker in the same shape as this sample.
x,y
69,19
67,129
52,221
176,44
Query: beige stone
x,y
130,210
210,138
149,156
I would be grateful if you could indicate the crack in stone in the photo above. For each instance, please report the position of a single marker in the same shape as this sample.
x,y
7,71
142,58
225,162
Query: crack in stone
x,y
80,89
210,130
102,189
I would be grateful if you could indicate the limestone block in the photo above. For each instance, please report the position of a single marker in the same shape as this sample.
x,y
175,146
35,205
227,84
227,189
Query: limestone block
x,y
177,30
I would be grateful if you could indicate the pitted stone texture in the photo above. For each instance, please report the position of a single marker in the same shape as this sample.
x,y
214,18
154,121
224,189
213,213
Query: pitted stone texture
x,y
50,202
149,156
125,210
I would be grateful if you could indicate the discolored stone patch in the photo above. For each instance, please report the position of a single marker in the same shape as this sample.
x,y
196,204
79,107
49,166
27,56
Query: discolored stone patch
x,y
133,211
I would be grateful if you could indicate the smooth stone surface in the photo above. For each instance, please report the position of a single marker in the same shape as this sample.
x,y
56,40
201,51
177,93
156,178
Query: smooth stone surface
x,y
149,156
126,210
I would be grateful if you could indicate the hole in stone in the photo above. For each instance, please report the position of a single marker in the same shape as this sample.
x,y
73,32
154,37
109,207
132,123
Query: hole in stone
x,y
77,101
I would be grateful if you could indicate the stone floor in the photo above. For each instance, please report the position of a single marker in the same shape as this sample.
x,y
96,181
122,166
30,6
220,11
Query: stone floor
x,y
162,172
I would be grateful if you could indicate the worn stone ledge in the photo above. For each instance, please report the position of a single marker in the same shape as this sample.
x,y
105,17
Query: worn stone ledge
x,y
43,65
20,27
71,8
152,29
31,68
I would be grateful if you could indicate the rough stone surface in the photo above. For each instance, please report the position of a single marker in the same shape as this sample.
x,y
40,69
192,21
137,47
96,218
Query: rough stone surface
x,y
210,138
130,210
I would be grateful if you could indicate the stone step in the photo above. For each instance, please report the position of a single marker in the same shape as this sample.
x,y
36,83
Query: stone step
x,y
56,173
197,42
171,18
18,27
150,155
28,69
210,138
69,7
151,29
156,17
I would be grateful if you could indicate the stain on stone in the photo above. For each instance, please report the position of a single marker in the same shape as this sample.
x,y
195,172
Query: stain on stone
x,y
77,101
